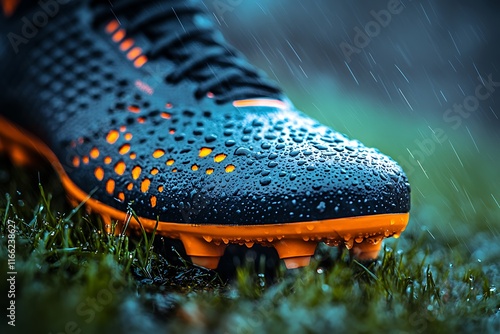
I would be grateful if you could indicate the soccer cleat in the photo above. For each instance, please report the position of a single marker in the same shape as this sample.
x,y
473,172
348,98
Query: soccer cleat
x,y
145,106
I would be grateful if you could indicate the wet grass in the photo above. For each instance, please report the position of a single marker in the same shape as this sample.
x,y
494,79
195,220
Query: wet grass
x,y
72,276
442,275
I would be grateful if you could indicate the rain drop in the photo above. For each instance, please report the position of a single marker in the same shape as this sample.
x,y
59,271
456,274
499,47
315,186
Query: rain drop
x,y
265,181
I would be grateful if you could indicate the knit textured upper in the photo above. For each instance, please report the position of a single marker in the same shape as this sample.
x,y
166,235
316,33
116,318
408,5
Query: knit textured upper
x,y
130,133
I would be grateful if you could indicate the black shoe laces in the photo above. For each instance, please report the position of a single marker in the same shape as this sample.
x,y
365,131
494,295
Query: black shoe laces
x,y
200,53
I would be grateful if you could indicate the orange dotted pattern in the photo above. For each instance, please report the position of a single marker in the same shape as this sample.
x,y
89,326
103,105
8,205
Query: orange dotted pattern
x,y
110,186
153,201
124,149
145,185
158,153
220,157
205,152
136,172
120,168
120,139
99,173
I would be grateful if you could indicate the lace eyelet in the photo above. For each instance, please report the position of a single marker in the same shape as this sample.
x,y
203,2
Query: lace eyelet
x,y
198,94
170,79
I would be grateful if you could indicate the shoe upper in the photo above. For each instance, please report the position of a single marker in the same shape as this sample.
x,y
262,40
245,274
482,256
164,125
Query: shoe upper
x,y
152,109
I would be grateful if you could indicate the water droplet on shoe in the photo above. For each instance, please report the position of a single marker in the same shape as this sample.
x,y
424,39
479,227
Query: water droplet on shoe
x,y
242,151
265,181
210,138
321,207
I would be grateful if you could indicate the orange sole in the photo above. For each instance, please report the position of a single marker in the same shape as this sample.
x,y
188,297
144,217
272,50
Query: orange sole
x,y
205,244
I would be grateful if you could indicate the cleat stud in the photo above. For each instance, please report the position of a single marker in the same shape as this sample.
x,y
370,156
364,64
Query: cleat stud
x,y
297,262
366,250
202,253
295,252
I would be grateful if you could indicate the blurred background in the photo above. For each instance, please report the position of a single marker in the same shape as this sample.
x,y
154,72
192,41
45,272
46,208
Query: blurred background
x,y
420,80
420,85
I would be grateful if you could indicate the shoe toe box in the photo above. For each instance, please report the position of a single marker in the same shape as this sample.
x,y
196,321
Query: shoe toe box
x,y
262,168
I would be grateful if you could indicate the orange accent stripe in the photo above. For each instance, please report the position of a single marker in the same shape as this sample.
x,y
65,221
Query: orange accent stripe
x,y
118,36
126,44
112,26
339,229
134,53
261,103
139,62
9,7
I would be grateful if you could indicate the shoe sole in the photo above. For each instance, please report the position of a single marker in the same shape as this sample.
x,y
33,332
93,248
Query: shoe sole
x,y
205,244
